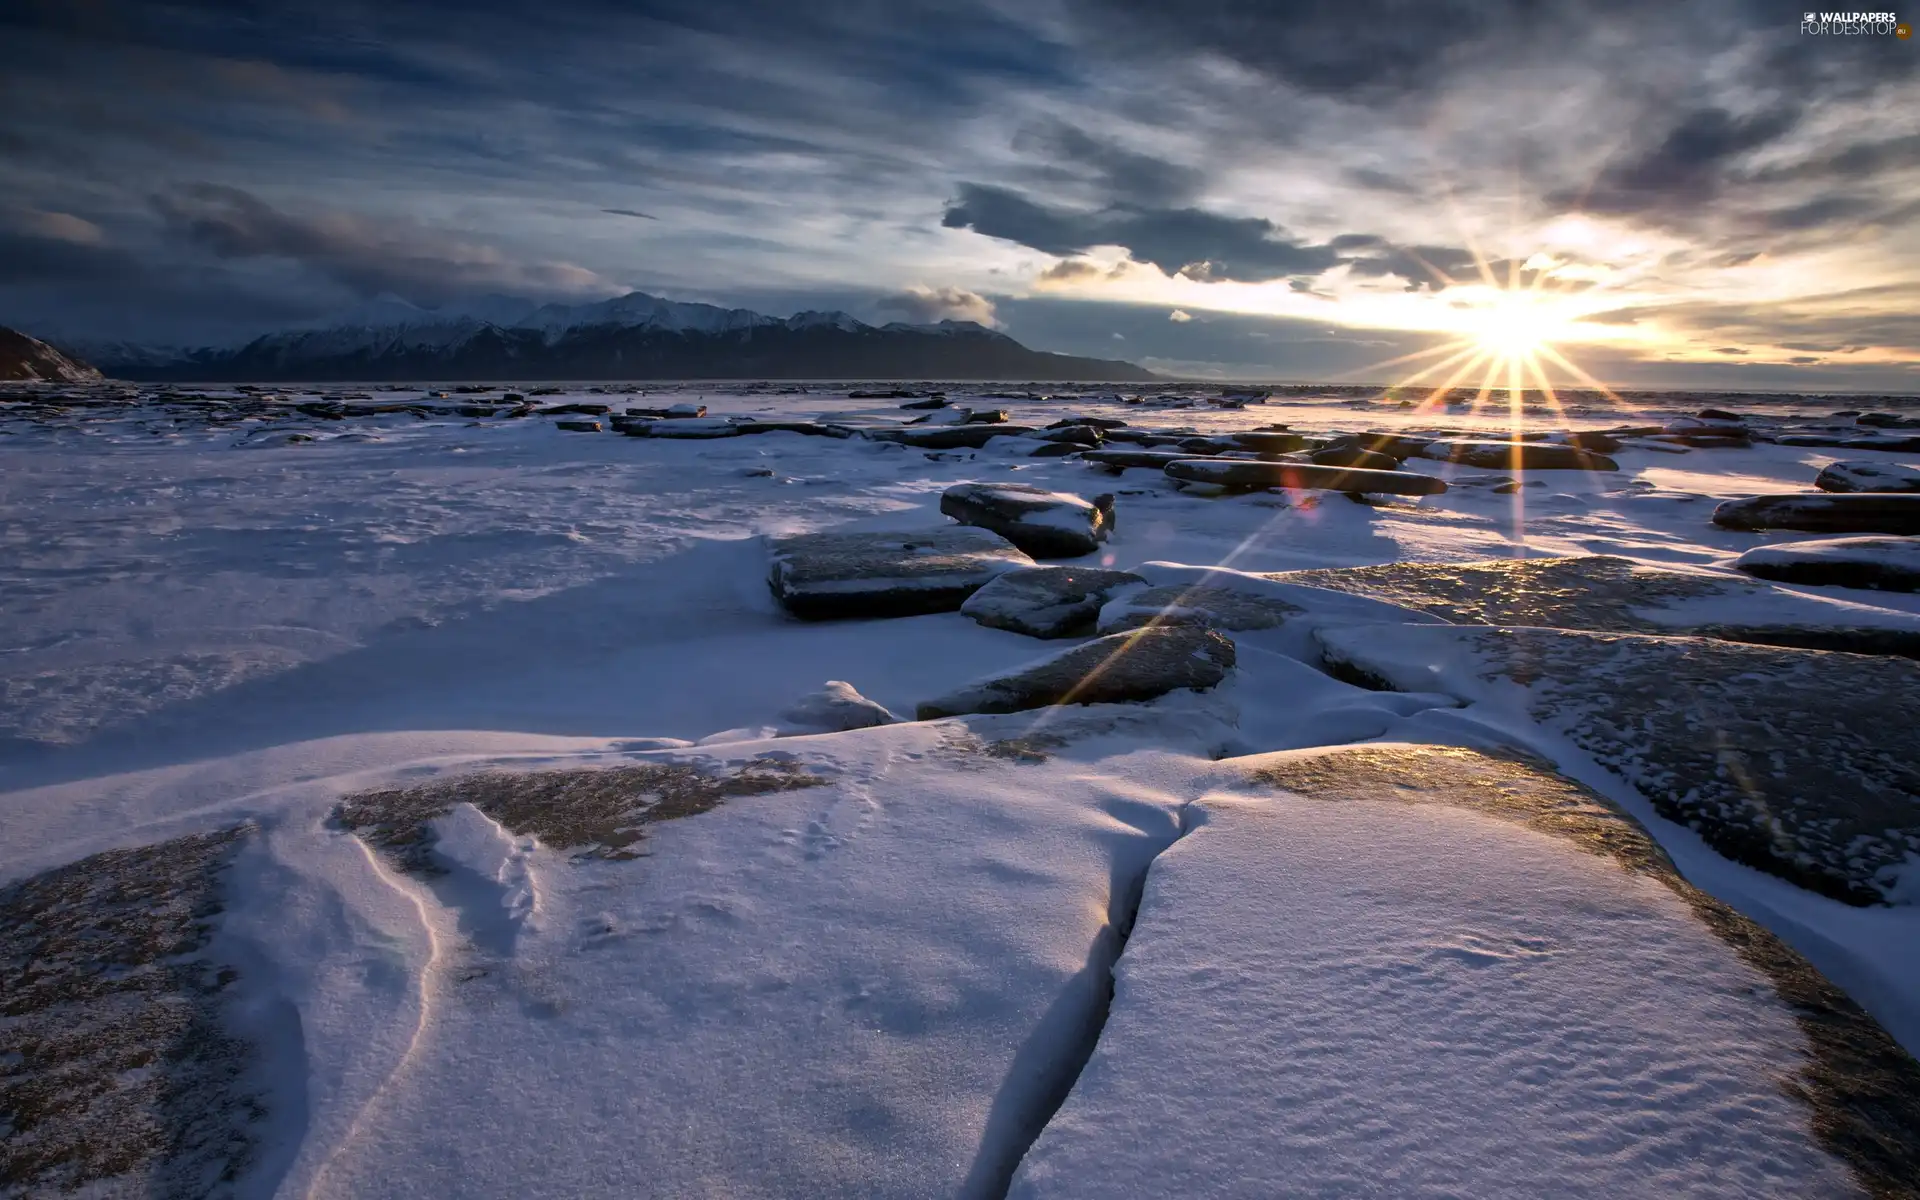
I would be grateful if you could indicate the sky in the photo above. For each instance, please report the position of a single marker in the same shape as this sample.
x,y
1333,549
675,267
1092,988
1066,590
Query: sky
x,y
1660,192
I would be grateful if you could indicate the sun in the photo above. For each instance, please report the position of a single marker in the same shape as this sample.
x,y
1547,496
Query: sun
x,y
1514,326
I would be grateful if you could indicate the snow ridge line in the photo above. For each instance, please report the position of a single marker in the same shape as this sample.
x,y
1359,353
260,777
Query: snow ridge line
x,y
427,975
1062,1044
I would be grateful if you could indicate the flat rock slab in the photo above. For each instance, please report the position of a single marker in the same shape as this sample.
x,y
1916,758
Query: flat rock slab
x,y
825,576
1355,456
1042,523
1888,564
1817,512
809,428
1802,763
1868,477
1120,460
1270,442
1214,607
1047,602
1617,595
118,1072
1234,473
1519,456
1141,665
1426,972
687,427
952,437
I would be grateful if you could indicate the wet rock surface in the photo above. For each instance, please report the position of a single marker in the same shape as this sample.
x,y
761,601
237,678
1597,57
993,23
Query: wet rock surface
x,y
823,576
1801,763
1047,602
1140,665
119,1071
1044,524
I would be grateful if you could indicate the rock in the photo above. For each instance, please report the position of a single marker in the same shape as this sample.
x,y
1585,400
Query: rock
x,y
1881,420
836,708
1719,414
929,402
1394,445
1101,423
1851,441
1802,763
826,576
1699,426
988,416
1888,564
1080,435
1617,595
1706,441
1518,456
1044,524
1868,477
578,426
1047,602
577,410
1204,446
810,428
1271,443
1196,604
1055,450
672,412
686,428
1232,473
1592,439
1819,512
955,437
1140,665
1119,460
1354,456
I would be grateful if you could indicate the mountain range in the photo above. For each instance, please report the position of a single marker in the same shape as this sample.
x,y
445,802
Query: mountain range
x,y
630,337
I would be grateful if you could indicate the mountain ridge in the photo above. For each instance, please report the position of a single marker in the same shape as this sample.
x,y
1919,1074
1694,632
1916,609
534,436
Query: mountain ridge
x,y
635,336
25,359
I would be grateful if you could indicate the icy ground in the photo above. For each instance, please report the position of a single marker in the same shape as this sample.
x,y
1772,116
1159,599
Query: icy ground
x,y
875,962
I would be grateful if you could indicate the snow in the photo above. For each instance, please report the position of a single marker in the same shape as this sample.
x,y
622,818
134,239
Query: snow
x,y
882,984
1377,998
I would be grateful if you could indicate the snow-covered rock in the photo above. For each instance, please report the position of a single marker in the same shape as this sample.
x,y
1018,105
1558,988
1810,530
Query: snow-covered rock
x,y
952,437
1232,473
1047,602
1519,456
820,576
836,708
1868,477
1889,564
1818,512
1043,523
1798,762
1550,1010
1208,605
1140,665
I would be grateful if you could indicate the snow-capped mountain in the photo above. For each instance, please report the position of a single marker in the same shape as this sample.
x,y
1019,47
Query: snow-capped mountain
x,y
635,336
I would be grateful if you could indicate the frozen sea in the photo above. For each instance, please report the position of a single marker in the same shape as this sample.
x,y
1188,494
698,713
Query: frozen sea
x,y
896,977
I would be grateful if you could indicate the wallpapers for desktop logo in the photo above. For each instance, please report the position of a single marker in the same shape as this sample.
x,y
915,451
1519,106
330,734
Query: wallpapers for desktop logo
x,y
1872,24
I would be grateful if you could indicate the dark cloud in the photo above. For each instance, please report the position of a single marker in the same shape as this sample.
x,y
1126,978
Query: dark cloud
x,y
1121,175
1188,241
1686,169
630,212
1729,350
427,266
1198,244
